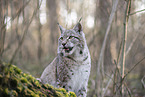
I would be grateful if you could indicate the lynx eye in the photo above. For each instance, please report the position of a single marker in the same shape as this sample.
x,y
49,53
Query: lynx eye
x,y
70,37
61,38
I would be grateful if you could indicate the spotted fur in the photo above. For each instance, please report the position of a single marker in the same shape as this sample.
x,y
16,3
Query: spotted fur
x,y
71,68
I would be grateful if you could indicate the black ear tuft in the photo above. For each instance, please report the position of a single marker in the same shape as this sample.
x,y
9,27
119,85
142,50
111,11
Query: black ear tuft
x,y
78,27
61,28
80,19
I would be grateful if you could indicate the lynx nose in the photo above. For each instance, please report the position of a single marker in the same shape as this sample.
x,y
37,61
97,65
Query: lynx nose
x,y
63,44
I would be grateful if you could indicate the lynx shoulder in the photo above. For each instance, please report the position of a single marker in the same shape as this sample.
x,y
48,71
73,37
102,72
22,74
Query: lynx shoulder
x,y
71,68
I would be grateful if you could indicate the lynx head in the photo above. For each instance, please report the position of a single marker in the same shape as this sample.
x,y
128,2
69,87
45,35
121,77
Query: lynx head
x,y
71,41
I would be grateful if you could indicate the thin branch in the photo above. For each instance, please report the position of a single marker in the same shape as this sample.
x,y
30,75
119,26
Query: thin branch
x,y
3,15
20,10
25,31
18,13
137,12
125,36
118,72
114,8
119,54
133,67
130,71
128,90
129,48
126,17
109,81
127,51
117,69
142,81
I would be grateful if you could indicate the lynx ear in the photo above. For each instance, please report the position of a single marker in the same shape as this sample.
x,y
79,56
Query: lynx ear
x,y
78,28
61,28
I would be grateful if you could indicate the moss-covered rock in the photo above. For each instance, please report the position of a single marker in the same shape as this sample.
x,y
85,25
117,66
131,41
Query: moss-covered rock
x,y
15,83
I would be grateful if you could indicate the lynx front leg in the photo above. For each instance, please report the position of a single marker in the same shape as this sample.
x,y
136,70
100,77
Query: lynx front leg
x,y
67,87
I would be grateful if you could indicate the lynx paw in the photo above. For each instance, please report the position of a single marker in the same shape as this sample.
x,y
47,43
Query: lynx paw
x,y
39,79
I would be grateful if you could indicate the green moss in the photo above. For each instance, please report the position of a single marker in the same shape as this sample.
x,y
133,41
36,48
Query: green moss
x,y
37,84
72,94
36,95
62,90
13,93
1,77
29,92
59,94
30,86
5,80
6,70
24,75
11,70
24,80
17,70
6,91
44,86
19,89
13,82
49,86
30,78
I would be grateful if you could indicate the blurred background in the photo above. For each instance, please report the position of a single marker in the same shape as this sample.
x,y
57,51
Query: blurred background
x,y
29,39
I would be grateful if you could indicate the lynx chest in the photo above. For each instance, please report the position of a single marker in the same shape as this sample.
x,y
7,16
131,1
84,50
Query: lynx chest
x,y
72,73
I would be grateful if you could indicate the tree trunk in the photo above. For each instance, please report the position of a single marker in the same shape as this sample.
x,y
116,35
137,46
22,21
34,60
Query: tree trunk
x,y
52,16
3,5
39,26
102,11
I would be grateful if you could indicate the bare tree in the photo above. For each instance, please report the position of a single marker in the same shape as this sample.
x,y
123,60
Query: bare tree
x,y
39,53
24,33
101,58
126,17
3,14
52,18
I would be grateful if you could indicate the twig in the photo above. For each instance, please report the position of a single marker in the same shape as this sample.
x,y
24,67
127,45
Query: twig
x,y
13,17
126,17
118,64
116,71
25,31
97,83
130,71
129,48
128,90
3,15
133,67
20,10
137,12
107,85
142,81
119,54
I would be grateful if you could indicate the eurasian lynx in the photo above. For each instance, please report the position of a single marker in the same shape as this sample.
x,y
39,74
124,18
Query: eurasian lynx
x,y
71,68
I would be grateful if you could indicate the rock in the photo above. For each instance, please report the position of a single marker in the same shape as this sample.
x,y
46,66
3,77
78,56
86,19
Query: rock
x,y
15,83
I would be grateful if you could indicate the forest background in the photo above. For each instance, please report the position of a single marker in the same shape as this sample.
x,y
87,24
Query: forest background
x,y
114,30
